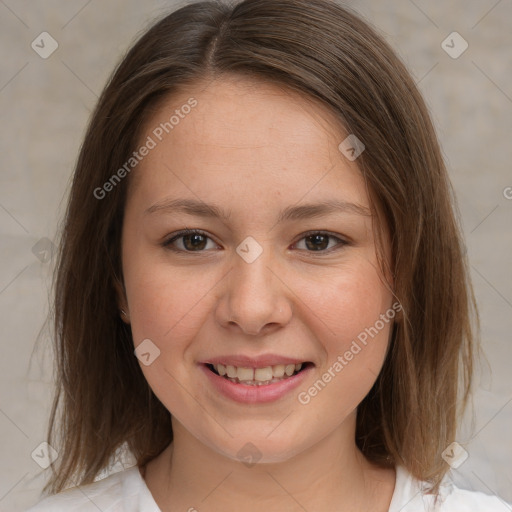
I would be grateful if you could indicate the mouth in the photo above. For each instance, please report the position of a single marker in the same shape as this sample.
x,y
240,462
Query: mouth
x,y
263,376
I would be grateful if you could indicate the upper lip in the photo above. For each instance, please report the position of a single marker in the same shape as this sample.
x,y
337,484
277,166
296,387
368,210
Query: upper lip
x,y
261,361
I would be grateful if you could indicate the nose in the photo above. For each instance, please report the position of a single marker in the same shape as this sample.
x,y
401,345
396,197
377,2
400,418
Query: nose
x,y
254,299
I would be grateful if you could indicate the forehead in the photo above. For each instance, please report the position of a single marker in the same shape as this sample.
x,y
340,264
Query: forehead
x,y
240,111
241,128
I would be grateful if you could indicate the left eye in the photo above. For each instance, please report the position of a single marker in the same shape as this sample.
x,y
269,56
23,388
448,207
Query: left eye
x,y
196,241
319,240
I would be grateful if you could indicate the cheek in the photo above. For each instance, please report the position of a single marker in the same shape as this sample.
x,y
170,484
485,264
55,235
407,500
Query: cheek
x,y
349,301
162,310
163,302
357,317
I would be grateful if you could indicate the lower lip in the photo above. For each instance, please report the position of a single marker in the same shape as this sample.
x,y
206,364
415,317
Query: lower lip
x,y
255,394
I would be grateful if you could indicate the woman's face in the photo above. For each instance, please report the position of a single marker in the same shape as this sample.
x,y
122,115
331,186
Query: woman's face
x,y
255,291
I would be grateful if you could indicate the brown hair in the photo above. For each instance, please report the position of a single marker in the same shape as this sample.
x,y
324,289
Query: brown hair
x,y
328,53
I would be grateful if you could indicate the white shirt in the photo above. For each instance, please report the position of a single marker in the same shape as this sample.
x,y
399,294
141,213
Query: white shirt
x,y
126,491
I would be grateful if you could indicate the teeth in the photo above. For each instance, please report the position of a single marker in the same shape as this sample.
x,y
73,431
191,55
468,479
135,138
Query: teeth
x,y
262,374
257,376
278,370
245,373
289,369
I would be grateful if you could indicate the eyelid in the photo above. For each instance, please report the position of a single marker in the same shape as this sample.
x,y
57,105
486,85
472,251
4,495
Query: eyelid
x,y
179,234
184,232
324,232
342,242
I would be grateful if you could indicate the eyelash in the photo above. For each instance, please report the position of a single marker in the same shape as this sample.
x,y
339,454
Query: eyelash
x,y
180,234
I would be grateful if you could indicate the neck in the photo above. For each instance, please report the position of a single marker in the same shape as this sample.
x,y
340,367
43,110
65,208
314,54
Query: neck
x,y
188,475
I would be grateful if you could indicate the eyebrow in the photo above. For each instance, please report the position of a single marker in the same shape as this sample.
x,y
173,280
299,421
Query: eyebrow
x,y
306,211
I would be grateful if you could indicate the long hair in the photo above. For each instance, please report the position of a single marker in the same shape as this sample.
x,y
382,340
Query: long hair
x,y
325,52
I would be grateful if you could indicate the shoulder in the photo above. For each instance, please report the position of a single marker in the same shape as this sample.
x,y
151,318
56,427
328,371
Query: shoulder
x,y
462,500
412,495
472,501
110,494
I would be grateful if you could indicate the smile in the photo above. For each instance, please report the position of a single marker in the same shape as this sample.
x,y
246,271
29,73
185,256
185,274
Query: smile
x,y
256,376
256,382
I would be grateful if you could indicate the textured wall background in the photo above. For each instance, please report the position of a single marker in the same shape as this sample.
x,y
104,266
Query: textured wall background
x,y
45,104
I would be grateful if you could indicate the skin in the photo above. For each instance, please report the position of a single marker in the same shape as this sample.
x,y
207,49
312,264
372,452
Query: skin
x,y
253,149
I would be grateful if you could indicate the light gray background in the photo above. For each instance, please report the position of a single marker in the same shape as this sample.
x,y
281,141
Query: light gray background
x,y
45,104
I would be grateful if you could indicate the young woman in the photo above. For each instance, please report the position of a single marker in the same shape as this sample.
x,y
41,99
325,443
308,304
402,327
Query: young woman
x,y
261,291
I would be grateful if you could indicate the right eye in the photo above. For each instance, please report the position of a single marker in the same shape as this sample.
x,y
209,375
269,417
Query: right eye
x,y
193,240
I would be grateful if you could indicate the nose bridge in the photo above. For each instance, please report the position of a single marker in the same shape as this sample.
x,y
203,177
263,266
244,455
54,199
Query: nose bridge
x,y
253,268
255,295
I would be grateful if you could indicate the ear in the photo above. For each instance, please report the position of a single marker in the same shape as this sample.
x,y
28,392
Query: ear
x,y
122,302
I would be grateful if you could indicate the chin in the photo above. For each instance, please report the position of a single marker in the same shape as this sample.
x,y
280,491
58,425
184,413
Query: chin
x,y
251,449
